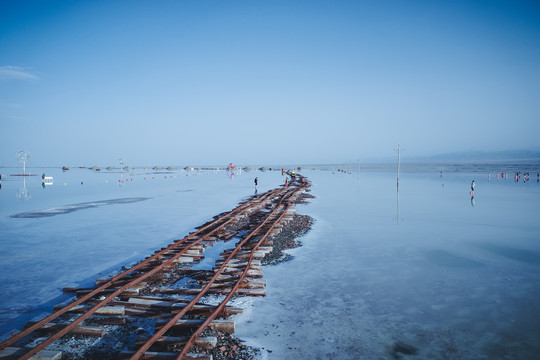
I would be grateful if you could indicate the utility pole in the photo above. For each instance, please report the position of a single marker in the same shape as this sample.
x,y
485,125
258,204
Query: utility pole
x,y
121,161
397,188
23,157
358,175
398,162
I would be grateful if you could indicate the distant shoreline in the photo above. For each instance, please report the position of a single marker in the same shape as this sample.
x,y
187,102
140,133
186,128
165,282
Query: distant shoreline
x,y
485,166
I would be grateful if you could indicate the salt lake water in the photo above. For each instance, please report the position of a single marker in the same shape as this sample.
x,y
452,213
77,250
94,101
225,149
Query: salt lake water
x,y
439,278
426,271
86,225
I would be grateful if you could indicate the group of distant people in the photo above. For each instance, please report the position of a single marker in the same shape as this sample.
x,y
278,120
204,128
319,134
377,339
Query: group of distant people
x,y
517,176
504,175
526,176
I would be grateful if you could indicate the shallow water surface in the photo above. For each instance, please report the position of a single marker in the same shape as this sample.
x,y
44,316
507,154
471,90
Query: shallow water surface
x,y
428,272
87,225
425,269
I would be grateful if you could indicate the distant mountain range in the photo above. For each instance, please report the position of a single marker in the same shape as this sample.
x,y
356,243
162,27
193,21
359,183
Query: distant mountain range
x,y
468,156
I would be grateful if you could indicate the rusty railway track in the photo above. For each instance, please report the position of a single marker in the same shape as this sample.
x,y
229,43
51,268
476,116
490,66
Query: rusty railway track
x,y
232,274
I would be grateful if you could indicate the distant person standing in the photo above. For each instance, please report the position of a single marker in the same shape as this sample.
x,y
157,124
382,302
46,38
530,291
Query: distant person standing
x,y
472,193
256,181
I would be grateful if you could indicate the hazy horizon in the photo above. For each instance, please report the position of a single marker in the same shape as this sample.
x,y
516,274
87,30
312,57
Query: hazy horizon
x,y
266,82
529,159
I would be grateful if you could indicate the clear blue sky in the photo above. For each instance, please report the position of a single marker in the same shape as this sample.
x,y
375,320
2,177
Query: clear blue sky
x,y
252,82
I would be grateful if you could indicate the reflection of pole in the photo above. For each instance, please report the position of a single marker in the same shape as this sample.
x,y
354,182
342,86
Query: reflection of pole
x,y
397,196
23,193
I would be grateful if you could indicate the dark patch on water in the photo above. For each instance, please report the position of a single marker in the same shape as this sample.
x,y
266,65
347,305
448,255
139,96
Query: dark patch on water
x,y
400,348
74,207
526,256
447,259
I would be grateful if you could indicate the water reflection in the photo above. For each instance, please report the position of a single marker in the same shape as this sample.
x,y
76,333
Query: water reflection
x,y
121,180
398,218
23,193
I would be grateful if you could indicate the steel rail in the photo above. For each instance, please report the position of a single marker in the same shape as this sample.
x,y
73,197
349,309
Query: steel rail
x,y
159,333
221,306
111,297
238,210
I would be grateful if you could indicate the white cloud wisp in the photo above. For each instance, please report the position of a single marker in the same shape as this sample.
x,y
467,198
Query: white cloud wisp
x,y
16,72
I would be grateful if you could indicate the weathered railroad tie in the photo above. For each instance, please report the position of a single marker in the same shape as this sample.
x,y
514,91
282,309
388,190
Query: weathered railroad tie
x,y
164,289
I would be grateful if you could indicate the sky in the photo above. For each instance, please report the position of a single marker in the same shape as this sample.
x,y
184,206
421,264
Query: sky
x,y
205,82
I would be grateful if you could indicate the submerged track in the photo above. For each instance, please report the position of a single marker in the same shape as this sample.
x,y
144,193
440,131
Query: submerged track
x,y
158,277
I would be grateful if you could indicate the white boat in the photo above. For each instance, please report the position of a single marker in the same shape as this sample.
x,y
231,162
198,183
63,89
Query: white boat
x,y
48,180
